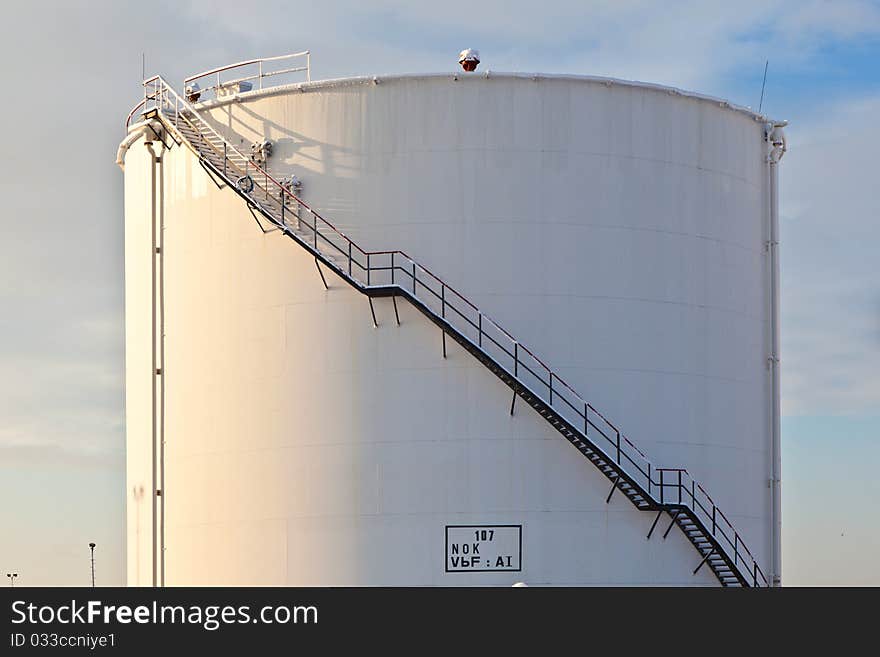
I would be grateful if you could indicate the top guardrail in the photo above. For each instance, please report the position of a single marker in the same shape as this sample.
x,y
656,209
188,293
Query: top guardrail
x,y
248,74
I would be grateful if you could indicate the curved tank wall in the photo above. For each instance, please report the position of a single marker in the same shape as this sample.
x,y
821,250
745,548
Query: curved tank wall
x,y
617,230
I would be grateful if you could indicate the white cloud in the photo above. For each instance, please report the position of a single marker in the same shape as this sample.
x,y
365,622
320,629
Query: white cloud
x,y
831,282
688,44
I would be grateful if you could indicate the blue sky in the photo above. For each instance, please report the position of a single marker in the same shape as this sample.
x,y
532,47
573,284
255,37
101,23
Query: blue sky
x,y
72,70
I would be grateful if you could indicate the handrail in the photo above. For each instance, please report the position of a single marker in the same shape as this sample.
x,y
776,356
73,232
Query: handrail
x,y
674,486
307,69
132,112
684,486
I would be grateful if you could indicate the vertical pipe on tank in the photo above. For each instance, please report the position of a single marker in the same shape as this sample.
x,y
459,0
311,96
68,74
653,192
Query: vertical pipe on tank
x,y
777,150
161,346
158,363
149,144
774,366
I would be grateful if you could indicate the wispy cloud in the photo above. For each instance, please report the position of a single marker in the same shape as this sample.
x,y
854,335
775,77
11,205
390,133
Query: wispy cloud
x,y
64,387
690,44
831,282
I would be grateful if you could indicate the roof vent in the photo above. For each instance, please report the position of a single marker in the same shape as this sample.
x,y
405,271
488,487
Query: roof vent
x,y
469,58
193,92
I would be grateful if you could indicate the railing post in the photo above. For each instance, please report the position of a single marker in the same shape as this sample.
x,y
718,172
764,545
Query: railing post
x,y
225,157
261,75
679,487
586,420
551,388
735,542
713,519
443,300
349,257
392,267
755,573
315,228
649,477
693,495
516,359
368,269
661,487
618,447
480,329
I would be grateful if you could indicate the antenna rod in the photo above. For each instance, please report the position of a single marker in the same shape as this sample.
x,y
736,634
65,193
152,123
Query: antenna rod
x,y
92,548
763,84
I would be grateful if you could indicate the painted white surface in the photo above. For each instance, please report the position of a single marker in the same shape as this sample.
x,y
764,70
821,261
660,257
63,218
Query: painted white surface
x,y
138,366
618,231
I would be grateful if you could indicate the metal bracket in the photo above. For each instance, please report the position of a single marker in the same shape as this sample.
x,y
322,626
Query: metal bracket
x,y
373,312
169,133
323,280
210,174
396,315
444,344
159,137
669,529
654,524
513,401
257,219
705,559
613,488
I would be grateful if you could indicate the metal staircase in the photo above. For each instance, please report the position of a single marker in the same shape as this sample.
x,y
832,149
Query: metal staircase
x,y
395,274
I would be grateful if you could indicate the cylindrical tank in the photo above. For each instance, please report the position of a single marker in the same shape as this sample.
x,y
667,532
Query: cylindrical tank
x,y
619,230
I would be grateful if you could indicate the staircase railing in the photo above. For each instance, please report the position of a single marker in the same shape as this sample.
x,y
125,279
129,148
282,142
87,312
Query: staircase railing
x,y
668,488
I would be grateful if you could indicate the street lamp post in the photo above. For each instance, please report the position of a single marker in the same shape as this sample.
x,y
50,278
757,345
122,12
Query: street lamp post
x,y
92,548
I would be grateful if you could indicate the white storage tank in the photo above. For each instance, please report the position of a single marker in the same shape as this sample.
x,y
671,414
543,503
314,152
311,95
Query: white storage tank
x,y
620,232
